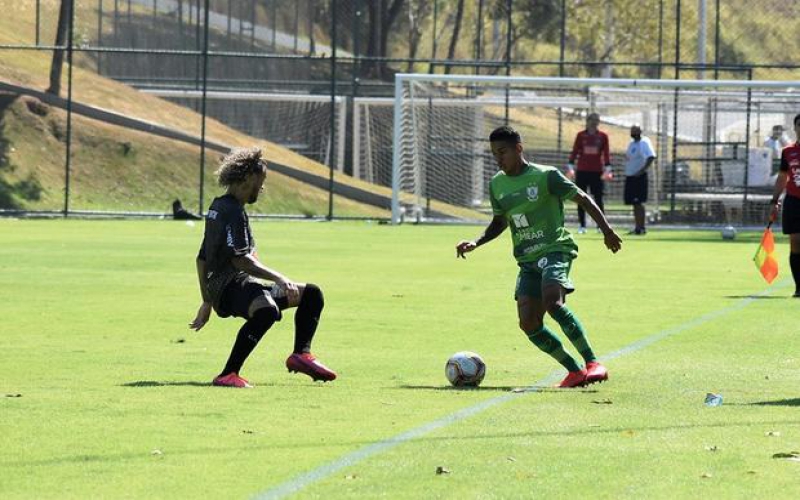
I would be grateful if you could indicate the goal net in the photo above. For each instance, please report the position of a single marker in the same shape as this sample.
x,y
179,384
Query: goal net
x,y
300,122
713,166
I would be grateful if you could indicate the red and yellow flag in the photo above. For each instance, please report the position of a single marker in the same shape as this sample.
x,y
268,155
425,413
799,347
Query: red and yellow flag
x,y
765,260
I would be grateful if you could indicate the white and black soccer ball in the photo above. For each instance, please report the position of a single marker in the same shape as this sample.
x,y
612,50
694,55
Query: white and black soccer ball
x,y
465,369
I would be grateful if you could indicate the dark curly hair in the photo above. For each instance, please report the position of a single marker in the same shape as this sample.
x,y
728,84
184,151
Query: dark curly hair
x,y
239,164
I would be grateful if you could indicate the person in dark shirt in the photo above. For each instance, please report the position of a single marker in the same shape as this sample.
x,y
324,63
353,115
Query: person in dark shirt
x,y
230,276
591,151
789,181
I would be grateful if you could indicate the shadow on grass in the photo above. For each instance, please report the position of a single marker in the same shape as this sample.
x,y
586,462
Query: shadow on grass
x,y
757,297
494,388
777,402
156,383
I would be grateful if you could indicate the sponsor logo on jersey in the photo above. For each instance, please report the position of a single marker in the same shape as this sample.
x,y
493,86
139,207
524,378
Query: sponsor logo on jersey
x,y
212,215
520,220
542,262
229,236
531,235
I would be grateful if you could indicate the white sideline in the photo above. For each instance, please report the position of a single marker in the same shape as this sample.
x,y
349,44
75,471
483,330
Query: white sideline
x,y
301,481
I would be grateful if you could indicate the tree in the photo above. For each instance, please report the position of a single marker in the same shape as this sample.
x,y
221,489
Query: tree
x,y
451,51
64,15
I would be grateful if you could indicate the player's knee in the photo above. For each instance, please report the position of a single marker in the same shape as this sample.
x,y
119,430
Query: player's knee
x,y
312,297
264,317
530,324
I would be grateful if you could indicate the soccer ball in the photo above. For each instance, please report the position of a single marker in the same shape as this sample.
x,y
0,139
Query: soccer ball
x,y
729,233
465,369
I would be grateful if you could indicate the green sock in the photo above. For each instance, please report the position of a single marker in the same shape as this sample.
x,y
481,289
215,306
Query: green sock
x,y
546,340
574,332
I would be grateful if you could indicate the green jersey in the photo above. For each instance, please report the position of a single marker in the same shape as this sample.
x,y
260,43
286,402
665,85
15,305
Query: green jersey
x,y
533,204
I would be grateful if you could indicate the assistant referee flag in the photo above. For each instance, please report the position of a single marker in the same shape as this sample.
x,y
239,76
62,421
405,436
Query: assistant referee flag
x,y
765,257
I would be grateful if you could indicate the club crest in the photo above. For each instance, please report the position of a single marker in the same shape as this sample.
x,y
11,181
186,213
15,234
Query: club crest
x,y
533,193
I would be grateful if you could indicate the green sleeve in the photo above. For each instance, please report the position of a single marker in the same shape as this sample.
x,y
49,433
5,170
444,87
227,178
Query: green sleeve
x,y
560,186
496,209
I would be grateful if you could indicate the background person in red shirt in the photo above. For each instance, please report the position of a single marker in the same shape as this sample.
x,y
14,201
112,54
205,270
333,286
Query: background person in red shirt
x,y
789,180
593,158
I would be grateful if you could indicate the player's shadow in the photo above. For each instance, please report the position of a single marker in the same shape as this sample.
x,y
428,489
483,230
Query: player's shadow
x,y
158,383
777,402
492,388
756,297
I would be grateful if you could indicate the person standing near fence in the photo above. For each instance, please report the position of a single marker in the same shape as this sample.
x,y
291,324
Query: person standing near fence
x,y
638,158
592,154
231,275
789,180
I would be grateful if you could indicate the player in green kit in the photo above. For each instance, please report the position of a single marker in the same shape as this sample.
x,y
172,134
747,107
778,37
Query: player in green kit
x,y
530,199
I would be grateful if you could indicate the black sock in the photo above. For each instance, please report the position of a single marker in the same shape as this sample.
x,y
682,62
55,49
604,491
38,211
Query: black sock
x,y
794,263
306,318
249,336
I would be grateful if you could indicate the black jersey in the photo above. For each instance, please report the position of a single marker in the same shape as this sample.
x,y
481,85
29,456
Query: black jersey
x,y
227,235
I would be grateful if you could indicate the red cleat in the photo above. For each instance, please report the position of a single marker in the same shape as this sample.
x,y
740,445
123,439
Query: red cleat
x,y
308,364
231,380
595,372
574,379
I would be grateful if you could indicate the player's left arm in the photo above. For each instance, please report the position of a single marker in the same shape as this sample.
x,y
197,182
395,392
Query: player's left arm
x,y
250,264
612,240
606,151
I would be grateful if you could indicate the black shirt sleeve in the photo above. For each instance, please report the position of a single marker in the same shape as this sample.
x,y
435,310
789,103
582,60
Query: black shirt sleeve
x,y
202,253
237,233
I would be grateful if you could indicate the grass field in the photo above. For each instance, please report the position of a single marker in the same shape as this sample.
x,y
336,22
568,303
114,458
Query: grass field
x,y
105,391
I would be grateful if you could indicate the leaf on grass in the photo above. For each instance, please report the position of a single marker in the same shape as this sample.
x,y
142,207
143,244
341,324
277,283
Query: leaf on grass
x,y
179,341
713,447
706,475
602,402
773,434
511,459
156,453
442,470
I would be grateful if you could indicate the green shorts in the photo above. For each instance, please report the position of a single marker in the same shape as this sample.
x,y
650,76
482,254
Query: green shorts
x,y
552,268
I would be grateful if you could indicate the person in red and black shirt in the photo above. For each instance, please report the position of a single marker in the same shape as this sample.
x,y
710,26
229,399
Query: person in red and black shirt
x,y
593,158
789,180
233,281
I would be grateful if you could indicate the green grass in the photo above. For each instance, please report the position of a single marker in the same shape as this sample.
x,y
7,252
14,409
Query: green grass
x,y
95,341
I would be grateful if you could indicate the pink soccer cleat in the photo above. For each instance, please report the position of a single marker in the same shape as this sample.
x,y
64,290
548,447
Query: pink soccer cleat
x,y
307,363
595,372
574,379
231,380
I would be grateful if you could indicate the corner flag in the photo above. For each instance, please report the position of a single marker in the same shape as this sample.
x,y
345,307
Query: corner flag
x,y
765,258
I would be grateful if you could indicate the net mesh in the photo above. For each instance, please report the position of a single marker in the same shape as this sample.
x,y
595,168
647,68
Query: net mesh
x,y
714,162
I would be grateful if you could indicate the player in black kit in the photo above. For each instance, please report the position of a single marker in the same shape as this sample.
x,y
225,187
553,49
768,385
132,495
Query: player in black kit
x,y
230,276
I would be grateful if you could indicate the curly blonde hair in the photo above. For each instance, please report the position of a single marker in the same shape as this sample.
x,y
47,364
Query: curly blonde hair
x,y
238,164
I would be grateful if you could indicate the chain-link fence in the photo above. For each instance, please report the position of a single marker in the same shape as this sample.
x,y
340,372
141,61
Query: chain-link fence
x,y
159,89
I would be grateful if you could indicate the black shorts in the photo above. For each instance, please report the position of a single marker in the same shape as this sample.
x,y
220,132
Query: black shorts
x,y
636,189
590,182
791,215
240,293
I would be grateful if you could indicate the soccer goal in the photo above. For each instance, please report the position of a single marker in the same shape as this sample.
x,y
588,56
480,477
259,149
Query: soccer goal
x,y
708,136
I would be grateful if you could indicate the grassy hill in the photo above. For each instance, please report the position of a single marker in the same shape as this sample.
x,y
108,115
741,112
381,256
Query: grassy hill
x,y
119,169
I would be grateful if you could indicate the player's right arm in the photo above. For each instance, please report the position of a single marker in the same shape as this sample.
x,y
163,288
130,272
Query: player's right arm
x,y
493,230
775,203
204,311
